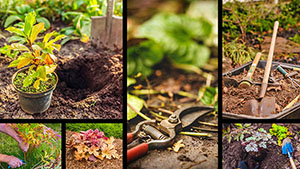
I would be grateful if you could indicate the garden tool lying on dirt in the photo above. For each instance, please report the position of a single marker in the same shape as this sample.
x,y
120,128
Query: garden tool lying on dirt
x,y
267,105
286,74
150,134
287,148
247,81
292,103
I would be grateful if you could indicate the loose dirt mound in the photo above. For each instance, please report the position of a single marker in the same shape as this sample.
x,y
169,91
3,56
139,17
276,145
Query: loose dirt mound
x,y
90,86
104,164
233,153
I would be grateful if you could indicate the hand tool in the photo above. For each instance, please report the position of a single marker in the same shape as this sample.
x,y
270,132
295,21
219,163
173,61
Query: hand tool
x,y
228,82
21,161
247,81
267,104
286,74
292,102
150,134
287,148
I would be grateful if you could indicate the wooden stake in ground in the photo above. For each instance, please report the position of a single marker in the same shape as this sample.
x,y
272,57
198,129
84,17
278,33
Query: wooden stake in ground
x,y
107,31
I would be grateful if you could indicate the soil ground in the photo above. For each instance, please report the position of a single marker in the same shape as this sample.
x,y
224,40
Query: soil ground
x,y
234,98
71,163
198,152
233,153
89,87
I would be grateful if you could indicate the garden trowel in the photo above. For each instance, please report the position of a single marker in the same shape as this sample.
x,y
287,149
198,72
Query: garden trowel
x,y
267,105
287,148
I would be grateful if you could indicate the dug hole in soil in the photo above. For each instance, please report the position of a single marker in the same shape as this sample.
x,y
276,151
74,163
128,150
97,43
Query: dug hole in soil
x,y
234,98
233,153
90,85
104,164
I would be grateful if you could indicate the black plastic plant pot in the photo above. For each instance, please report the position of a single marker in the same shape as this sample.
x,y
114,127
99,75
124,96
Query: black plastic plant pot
x,y
33,103
291,113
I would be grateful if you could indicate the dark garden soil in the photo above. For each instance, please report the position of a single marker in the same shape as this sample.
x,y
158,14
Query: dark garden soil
x,y
89,87
234,98
199,152
233,153
71,163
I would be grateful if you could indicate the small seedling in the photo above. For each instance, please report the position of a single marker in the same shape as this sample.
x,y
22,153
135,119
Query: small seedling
x,y
280,132
258,140
39,55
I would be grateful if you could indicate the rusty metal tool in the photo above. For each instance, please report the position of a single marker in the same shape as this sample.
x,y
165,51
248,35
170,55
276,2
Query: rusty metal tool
x,y
150,134
228,82
267,105
287,148
247,81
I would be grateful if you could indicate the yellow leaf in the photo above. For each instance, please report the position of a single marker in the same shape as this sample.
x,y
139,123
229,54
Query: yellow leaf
x,y
17,46
50,69
84,39
36,84
36,29
24,62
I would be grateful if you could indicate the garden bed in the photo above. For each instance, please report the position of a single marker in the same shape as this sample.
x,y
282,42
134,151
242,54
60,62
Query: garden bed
x,y
90,85
233,153
71,163
234,98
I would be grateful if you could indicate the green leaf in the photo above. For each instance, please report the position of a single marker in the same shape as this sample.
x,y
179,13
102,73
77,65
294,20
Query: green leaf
x,y
54,40
14,63
29,22
130,81
136,102
16,38
11,19
17,46
28,80
36,29
41,70
45,21
15,30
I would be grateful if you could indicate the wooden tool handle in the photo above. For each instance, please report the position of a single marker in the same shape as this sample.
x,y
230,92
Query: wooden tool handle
x,y
269,62
253,66
292,102
137,152
292,163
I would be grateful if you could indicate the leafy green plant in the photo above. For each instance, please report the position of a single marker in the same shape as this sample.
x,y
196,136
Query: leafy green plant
x,y
209,96
20,14
142,57
239,53
183,38
118,10
238,133
280,132
81,28
5,50
37,135
257,140
92,145
38,54
295,38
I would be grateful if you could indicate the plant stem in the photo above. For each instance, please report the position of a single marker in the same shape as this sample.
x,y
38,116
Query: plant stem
x,y
205,129
196,134
138,112
157,115
208,124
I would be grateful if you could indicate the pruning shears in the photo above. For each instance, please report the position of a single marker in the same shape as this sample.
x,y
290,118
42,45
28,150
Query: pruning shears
x,y
150,134
21,161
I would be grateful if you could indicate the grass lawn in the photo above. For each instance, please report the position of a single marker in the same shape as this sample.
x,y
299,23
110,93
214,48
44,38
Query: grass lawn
x,y
109,129
9,146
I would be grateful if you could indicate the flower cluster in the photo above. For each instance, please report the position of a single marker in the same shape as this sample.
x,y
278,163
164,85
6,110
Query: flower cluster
x,y
258,140
92,145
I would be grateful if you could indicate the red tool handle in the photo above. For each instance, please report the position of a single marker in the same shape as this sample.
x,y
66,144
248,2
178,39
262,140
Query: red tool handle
x,y
129,138
137,152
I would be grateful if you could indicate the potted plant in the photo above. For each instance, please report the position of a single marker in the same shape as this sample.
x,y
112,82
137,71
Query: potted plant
x,y
36,80
256,144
